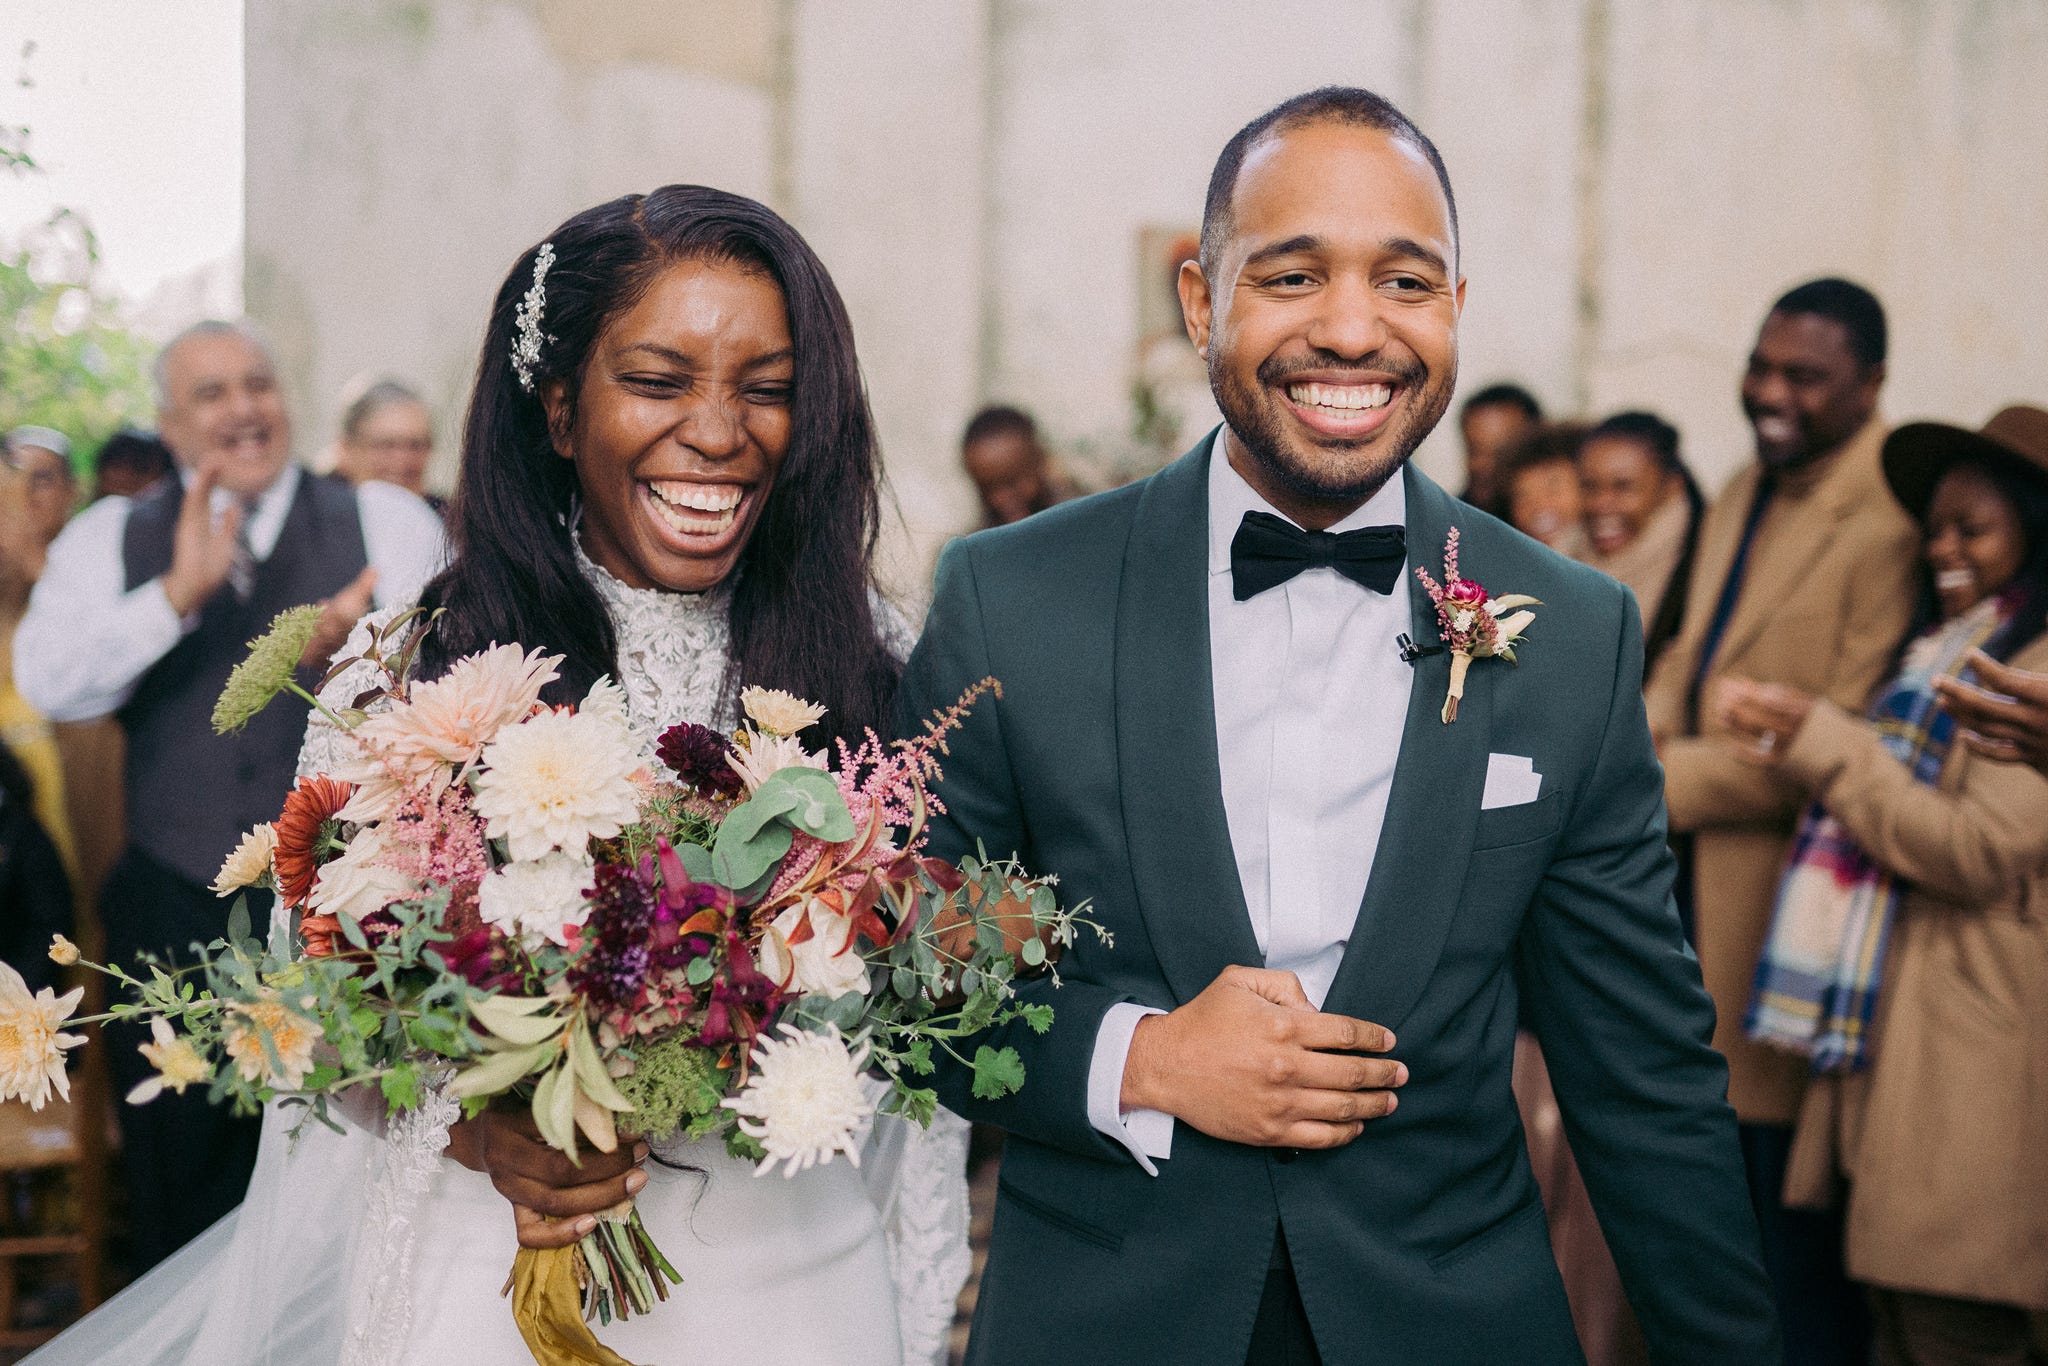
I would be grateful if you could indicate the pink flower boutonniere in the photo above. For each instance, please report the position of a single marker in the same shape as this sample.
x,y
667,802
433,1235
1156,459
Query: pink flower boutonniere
x,y
1474,625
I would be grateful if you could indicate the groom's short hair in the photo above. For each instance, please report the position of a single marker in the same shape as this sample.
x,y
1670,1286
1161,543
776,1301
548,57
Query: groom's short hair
x,y
1329,104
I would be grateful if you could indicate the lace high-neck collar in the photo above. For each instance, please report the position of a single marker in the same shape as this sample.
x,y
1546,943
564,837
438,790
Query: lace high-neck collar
x,y
674,651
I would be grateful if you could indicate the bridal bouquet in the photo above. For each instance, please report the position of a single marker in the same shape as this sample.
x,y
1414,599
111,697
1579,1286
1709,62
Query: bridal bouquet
x,y
505,901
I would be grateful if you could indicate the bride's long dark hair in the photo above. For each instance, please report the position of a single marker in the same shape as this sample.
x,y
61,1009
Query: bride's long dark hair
x,y
802,617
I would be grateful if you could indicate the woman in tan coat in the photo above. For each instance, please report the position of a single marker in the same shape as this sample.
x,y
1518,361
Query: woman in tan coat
x,y
1908,955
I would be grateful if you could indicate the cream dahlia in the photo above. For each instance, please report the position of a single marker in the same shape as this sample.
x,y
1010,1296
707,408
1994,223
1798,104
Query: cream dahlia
x,y
538,899
62,951
31,1048
178,1064
442,725
556,782
805,1101
249,864
778,712
291,1036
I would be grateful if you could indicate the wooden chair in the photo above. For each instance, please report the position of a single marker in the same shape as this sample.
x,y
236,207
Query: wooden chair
x,y
68,1136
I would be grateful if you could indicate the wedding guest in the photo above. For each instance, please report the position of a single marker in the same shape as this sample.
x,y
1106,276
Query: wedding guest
x,y
35,890
144,608
36,490
387,433
130,465
1539,486
1492,420
1804,576
2005,711
1010,466
1642,511
43,457
1908,959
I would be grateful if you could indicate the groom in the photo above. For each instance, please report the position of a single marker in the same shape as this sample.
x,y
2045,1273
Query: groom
x,y
1272,1122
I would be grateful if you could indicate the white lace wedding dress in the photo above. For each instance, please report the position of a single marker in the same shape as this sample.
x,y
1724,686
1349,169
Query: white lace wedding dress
x,y
372,1248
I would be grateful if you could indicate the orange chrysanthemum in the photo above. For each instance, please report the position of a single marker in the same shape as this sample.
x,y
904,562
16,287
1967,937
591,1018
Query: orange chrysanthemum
x,y
311,805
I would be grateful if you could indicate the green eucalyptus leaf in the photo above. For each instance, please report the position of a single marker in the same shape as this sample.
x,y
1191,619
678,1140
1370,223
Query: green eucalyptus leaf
x,y
810,800
696,861
1033,953
742,857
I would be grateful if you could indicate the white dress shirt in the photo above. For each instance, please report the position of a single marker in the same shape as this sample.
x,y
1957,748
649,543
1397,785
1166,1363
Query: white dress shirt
x,y
87,639
1311,699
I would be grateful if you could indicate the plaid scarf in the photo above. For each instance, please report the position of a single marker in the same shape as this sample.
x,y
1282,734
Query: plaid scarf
x,y
1816,983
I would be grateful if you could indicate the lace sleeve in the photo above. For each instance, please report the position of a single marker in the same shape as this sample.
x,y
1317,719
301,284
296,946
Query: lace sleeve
x,y
918,1179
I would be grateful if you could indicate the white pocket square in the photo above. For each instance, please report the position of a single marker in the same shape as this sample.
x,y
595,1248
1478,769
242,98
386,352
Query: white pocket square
x,y
1511,780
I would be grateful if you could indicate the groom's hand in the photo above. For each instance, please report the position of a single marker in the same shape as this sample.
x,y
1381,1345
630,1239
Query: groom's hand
x,y
554,1201
1251,1060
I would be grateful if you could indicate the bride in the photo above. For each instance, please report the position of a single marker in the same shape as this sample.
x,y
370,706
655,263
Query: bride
x,y
669,476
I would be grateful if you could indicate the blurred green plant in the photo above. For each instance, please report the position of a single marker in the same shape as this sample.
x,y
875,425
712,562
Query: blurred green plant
x,y
67,359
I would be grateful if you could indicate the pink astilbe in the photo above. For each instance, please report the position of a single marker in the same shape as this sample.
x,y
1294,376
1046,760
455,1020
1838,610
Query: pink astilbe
x,y
436,836
895,780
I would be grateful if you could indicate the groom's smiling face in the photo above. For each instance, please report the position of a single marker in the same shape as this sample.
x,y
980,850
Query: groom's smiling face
x,y
1330,326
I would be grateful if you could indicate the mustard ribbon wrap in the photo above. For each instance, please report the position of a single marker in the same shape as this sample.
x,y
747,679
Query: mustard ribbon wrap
x,y
547,1304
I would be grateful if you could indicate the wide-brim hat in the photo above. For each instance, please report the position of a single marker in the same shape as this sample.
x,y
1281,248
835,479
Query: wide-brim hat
x,y
1919,453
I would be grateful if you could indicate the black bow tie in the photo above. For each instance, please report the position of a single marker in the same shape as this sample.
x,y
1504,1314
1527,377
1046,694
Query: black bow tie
x,y
1268,551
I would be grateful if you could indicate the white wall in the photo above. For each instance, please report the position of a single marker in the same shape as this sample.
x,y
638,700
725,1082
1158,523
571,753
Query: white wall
x,y
1637,179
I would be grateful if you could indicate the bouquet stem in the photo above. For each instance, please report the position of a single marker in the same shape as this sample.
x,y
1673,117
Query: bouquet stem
x,y
628,1273
616,1271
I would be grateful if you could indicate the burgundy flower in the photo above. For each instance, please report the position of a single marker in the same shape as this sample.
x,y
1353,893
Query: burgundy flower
x,y
697,755
1465,591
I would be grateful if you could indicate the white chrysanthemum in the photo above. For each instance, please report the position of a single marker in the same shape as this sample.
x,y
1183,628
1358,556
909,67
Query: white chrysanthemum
x,y
356,883
291,1034
778,712
805,1101
763,755
537,900
178,1064
249,864
558,781
31,1048
826,962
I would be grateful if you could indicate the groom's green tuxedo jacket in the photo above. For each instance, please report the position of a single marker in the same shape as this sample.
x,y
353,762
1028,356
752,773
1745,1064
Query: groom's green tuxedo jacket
x,y
1424,1239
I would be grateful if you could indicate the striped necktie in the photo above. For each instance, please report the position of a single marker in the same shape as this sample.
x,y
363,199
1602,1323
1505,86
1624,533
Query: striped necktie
x,y
242,569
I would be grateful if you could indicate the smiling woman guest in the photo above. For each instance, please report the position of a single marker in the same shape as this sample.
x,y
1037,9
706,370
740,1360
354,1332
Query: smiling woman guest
x,y
1908,956
387,433
1642,513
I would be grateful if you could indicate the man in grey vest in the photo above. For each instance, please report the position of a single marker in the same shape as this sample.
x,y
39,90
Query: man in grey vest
x,y
145,607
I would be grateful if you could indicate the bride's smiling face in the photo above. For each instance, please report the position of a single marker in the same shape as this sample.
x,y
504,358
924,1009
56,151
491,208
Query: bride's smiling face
x,y
681,425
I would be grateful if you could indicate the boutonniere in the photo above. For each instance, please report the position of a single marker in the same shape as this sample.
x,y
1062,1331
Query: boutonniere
x,y
1473,624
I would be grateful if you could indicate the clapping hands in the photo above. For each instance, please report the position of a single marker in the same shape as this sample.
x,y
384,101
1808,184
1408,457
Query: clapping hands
x,y
2010,724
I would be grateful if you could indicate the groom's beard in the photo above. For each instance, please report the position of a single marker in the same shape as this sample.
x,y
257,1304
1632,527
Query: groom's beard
x,y
1328,470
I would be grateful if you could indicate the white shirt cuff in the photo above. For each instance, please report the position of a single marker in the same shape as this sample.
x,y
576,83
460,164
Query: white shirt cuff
x,y
1147,1134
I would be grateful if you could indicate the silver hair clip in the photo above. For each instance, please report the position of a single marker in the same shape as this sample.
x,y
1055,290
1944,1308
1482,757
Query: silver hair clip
x,y
526,344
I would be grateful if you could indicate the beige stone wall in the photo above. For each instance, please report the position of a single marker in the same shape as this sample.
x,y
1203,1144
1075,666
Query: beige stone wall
x,y
1637,179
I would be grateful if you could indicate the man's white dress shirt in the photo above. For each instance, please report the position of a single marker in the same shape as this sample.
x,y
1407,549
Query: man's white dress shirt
x,y
1311,699
87,638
